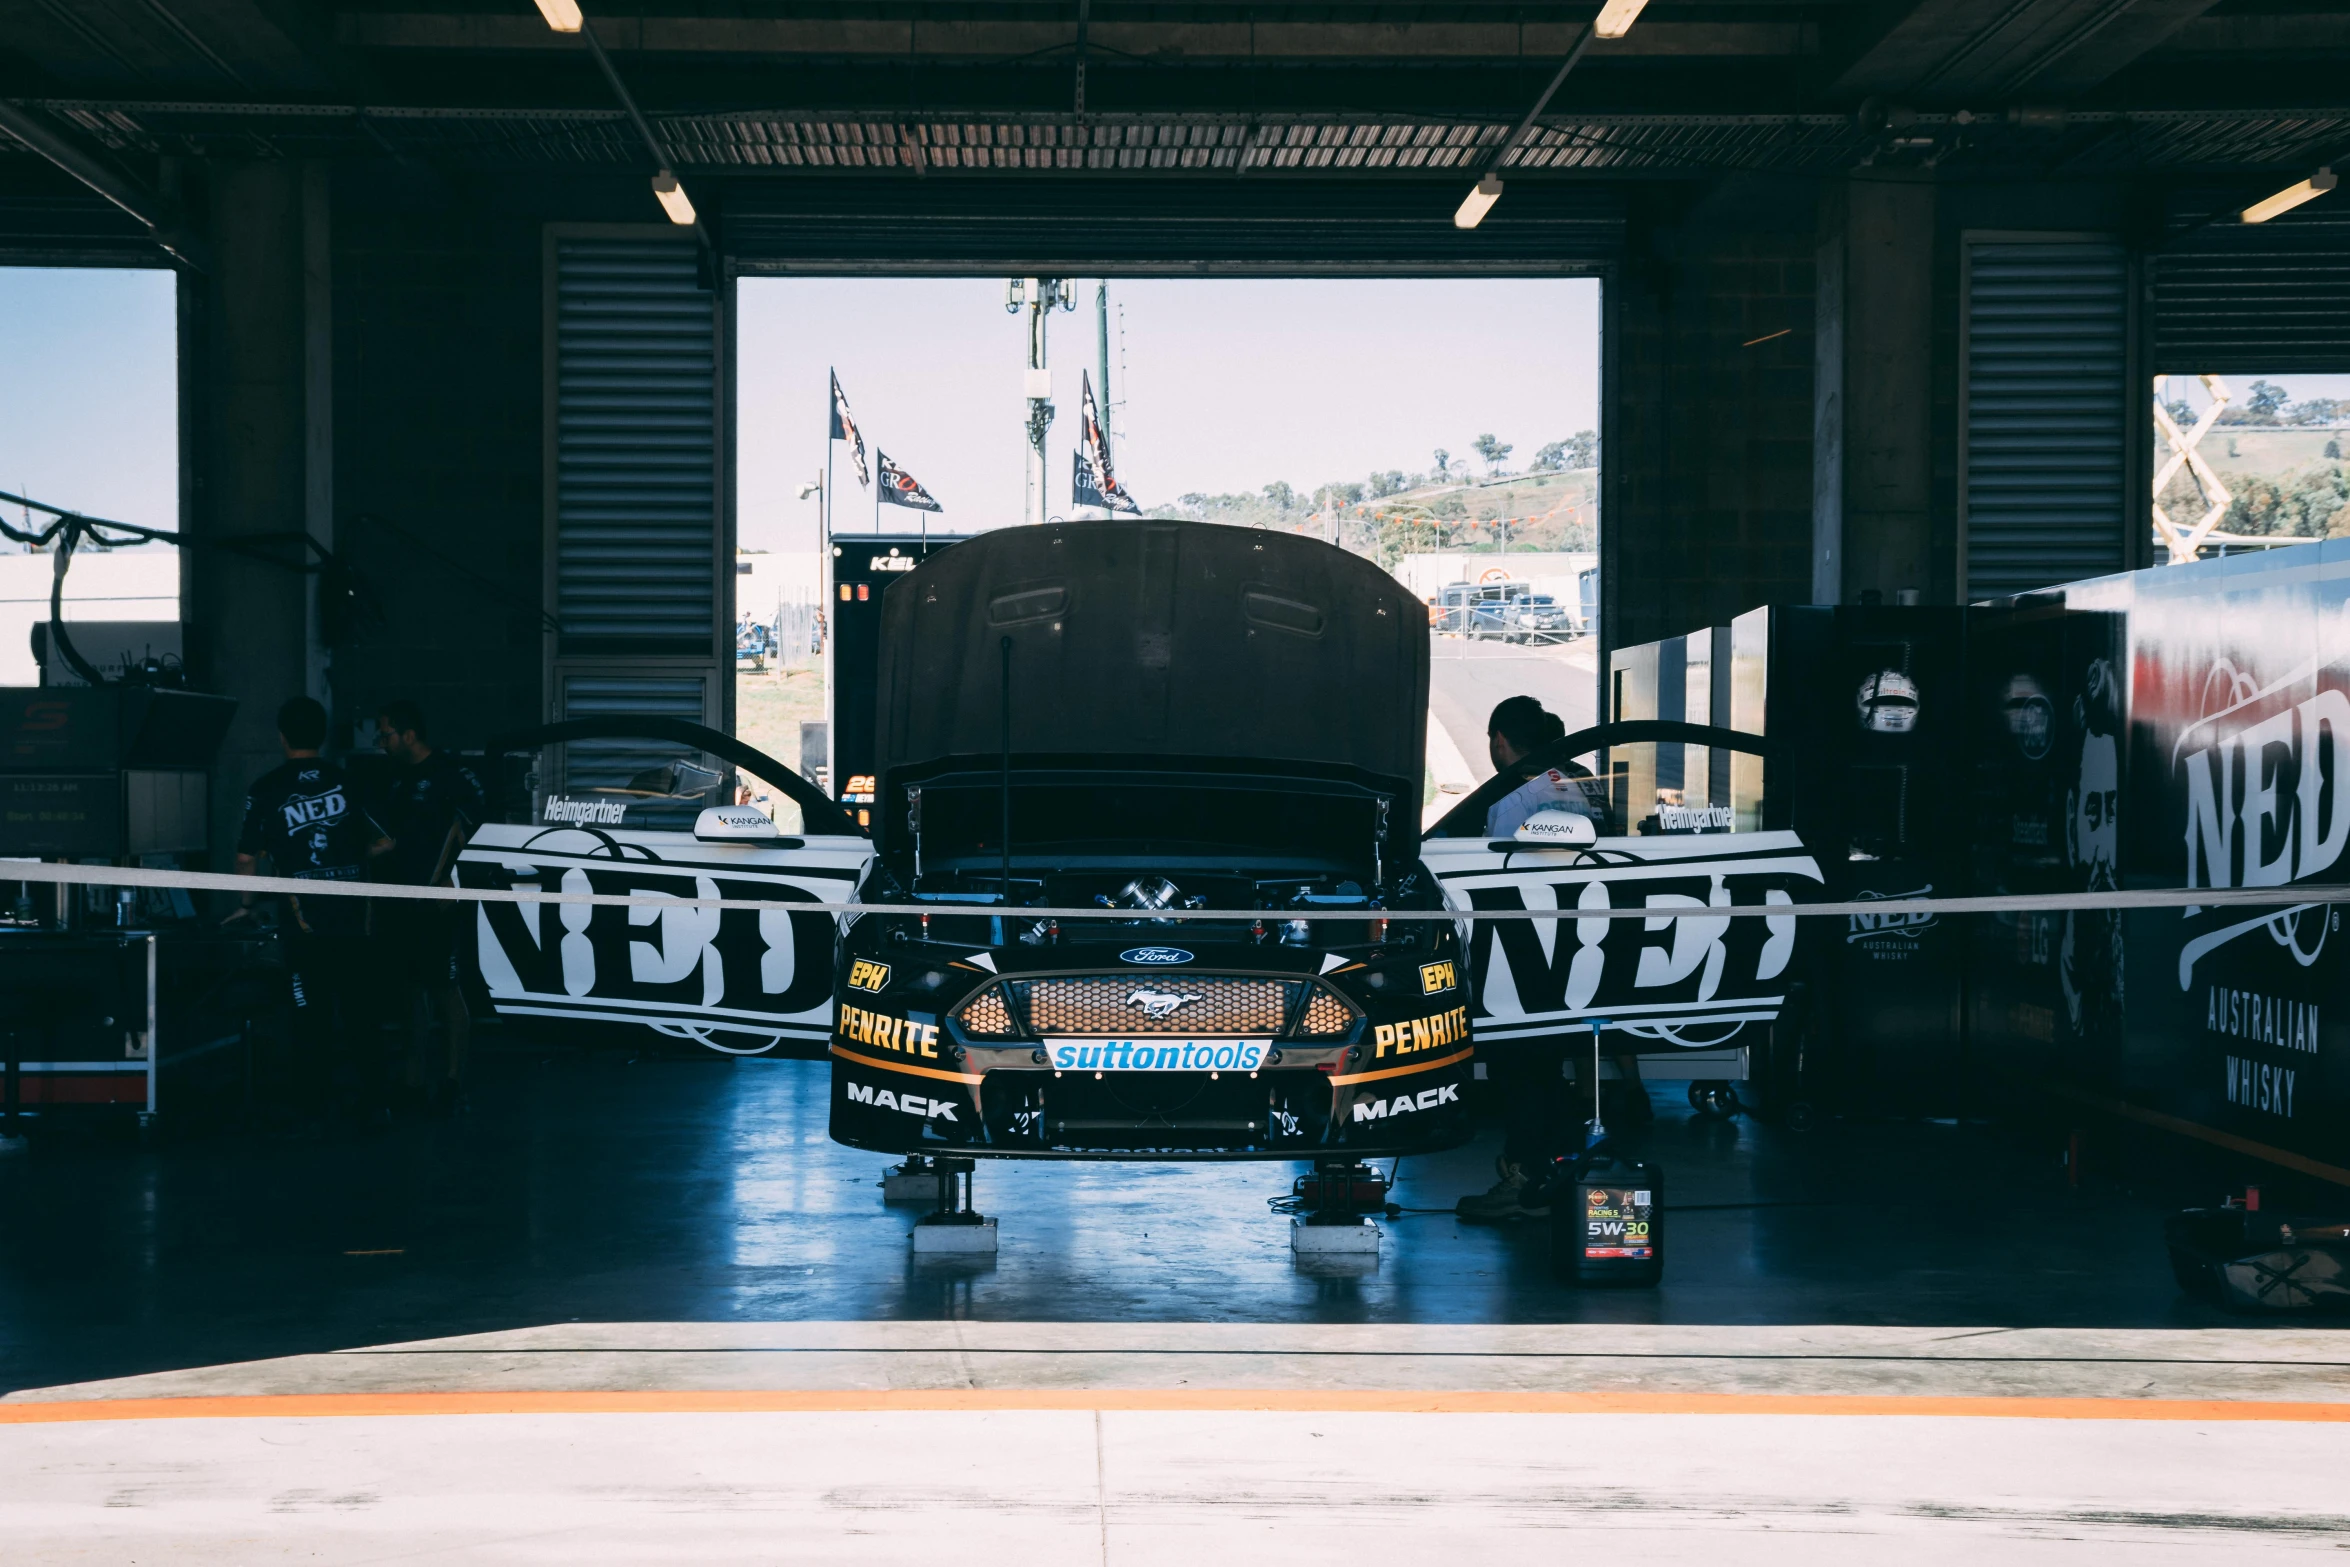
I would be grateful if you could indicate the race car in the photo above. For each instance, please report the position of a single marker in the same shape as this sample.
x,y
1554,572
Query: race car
x,y
1084,730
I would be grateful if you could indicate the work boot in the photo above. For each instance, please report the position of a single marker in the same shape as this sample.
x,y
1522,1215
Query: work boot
x,y
1499,1201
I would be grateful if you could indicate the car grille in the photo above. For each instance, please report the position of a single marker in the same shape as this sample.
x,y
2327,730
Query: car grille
x,y
1123,1004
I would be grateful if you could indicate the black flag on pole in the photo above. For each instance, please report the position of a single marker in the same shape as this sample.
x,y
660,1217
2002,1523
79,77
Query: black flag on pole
x,y
1091,483
844,428
900,488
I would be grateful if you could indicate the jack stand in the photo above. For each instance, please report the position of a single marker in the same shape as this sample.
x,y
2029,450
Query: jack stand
x,y
913,1181
1335,1227
952,1229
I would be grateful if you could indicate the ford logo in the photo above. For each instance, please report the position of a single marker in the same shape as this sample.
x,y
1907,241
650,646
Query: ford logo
x,y
1154,955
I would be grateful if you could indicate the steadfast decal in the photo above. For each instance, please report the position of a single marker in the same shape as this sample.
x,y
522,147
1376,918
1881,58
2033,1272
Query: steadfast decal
x,y
1421,1033
1406,1104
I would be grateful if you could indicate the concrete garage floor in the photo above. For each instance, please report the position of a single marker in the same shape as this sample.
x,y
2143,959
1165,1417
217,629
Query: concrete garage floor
x,y
585,1188
645,1313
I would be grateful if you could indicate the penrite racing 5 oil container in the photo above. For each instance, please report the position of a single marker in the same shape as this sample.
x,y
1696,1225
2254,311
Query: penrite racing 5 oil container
x,y
1607,1221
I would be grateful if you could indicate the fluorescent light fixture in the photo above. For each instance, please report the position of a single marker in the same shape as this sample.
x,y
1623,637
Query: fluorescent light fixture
x,y
671,195
562,15
1478,202
1615,18
2290,197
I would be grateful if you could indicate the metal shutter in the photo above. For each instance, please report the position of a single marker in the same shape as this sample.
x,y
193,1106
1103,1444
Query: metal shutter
x,y
2252,298
609,764
636,525
2047,492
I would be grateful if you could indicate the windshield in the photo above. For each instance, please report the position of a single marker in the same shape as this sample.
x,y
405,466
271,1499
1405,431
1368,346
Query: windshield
x,y
653,785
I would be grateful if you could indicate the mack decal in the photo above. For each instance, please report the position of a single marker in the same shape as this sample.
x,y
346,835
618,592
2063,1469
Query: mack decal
x,y
1407,1104
921,1105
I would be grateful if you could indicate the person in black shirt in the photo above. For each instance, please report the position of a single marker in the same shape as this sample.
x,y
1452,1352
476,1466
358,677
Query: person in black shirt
x,y
434,804
303,818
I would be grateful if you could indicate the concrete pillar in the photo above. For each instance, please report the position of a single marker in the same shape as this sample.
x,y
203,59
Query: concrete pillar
x,y
1873,394
248,370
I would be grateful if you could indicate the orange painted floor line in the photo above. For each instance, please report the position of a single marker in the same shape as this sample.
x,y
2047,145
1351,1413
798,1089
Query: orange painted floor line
x,y
1236,1400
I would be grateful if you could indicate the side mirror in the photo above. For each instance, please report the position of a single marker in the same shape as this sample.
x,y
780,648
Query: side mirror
x,y
735,824
1557,829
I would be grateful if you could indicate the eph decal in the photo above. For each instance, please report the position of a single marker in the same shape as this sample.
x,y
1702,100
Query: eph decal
x,y
1436,978
884,1032
922,1105
1421,1033
865,974
1407,1104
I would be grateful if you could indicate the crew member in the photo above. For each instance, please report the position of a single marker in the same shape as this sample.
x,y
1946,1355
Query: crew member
x,y
303,818
1528,1078
434,804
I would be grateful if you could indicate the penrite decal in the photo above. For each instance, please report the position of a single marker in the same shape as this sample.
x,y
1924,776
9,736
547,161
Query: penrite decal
x,y
1421,1033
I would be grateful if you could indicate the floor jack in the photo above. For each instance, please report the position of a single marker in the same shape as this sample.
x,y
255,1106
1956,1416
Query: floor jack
x,y
952,1228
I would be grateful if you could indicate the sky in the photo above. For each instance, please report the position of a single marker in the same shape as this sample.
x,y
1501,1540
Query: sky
x,y
89,391
1220,385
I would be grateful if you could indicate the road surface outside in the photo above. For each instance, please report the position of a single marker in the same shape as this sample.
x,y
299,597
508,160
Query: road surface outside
x,y
1465,681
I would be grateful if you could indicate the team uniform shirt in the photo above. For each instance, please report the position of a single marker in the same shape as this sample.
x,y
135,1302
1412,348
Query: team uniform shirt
x,y
1545,791
426,800
302,816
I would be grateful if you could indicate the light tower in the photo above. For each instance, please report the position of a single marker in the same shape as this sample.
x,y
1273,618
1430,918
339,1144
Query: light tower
x,y
1037,296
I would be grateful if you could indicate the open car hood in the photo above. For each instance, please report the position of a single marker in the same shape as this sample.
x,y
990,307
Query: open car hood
x,y
1159,646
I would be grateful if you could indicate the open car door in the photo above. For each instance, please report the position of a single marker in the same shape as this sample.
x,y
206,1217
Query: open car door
x,y
669,808
1657,839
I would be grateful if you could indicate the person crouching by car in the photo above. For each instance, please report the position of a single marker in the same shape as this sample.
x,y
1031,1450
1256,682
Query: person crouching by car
x,y
1541,1121
304,819
433,805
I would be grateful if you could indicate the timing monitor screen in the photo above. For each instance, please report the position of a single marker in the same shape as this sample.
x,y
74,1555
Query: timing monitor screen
x,y
1194,820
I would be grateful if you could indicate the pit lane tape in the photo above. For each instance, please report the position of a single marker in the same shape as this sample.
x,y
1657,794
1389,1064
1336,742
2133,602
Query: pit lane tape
x,y
310,1406
2276,901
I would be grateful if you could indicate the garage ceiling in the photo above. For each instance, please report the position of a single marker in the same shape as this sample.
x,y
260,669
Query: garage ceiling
x,y
749,92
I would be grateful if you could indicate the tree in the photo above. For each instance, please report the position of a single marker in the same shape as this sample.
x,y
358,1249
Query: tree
x,y
1493,449
1583,449
1551,458
1443,461
2180,414
1392,482
1281,496
2264,397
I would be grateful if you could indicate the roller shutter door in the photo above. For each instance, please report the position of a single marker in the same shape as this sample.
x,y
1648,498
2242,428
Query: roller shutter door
x,y
637,520
2047,496
2247,299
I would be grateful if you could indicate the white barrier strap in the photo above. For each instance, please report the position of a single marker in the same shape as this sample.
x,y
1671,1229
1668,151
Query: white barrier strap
x,y
2280,899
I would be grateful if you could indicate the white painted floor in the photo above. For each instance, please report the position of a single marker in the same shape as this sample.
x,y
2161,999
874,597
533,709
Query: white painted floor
x,y
1043,1488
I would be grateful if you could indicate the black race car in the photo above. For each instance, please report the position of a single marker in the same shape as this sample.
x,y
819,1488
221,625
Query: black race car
x,y
1133,719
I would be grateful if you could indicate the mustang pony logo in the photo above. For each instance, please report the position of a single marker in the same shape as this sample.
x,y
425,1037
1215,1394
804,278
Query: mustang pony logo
x,y
1158,1005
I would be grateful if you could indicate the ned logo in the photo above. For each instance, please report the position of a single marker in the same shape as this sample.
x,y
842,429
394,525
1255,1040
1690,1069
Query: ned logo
x,y
1436,978
865,974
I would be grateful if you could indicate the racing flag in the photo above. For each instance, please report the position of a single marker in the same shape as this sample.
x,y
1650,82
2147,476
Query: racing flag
x,y
844,428
900,488
1090,482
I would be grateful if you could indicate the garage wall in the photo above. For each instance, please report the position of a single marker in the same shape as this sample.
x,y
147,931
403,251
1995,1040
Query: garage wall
x,y
1706,456
436,446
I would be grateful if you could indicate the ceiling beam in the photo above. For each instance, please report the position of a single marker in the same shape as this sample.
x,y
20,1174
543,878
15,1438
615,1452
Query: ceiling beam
x,y
1996,51
1172,41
